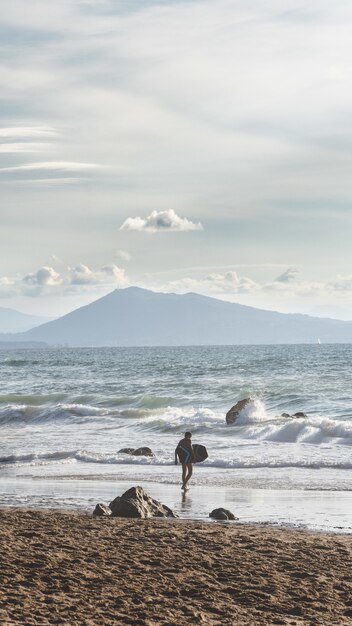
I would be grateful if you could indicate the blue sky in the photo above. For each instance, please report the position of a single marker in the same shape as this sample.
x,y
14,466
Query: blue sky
x,y
179,146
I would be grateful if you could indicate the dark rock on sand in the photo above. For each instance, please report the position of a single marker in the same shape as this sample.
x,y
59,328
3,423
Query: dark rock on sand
x,y
222,514
144,451
137,503
102,510
234,412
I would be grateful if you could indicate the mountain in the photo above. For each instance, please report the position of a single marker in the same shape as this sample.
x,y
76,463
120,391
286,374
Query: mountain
x,y
137,317
12,321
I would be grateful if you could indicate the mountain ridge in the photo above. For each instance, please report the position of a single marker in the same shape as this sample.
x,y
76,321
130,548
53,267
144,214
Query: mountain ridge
x,y
138,317
13,321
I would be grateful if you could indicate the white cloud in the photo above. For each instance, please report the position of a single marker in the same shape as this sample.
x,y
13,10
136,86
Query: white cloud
x,y
41,281
108,274
341,284
59,166
160,221
27,132
46,281
14,148
44,276
124,255
228,283
288,276
7,289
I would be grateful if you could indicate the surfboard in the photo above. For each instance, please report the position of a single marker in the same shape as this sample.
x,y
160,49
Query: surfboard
x,y
199,454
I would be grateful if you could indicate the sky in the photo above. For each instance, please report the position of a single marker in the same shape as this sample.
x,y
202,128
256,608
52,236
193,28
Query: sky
x,y
197,146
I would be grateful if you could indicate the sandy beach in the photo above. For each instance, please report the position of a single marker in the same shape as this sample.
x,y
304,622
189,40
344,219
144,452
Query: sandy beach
x,y
70,568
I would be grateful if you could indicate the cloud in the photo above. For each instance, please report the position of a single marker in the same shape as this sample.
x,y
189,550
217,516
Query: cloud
x,y
228,283
160,221
341,284
14,148
27,132
7,288
58,166
123,255
288,276
46,281
43,279
108,274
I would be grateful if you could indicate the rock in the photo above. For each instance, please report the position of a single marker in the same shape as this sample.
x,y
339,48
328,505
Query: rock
x,y
234,412
102,510
137,451
285,415
299,414
143,452
137,503
222,514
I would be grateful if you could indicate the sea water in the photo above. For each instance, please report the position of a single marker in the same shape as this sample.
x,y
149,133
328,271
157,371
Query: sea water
x,y
65,413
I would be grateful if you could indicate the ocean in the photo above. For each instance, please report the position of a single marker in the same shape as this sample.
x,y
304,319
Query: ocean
x,y
66,412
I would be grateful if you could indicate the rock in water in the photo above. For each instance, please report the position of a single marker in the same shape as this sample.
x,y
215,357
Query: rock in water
x,y
137,503
142,452
102,510
222,514
137,451
234,412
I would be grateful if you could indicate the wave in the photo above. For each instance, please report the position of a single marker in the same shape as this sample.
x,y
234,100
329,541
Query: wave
x,y
16,413
91,457
19,362
254,423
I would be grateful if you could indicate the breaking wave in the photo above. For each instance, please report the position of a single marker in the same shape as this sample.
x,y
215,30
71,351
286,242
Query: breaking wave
x,y
254,423
84,456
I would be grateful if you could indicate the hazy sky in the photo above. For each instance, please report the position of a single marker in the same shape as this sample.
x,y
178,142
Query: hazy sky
x,y
180,146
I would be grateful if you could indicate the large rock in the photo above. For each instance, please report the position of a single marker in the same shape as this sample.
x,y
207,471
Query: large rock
x,y
137,503
233,413
222,514
102,510
144,451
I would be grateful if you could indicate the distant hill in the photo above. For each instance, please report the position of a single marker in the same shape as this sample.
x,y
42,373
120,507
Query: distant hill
x,y
137,317
12,321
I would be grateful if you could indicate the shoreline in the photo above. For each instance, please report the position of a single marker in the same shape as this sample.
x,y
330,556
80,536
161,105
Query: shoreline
x,y
327,511
65,567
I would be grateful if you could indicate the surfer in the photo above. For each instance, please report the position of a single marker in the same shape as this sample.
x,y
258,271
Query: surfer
x,y
184,452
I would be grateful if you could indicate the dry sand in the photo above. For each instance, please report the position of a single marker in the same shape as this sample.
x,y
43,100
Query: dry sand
x,y
70,569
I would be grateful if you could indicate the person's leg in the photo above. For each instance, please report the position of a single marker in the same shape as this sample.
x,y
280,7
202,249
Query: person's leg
x,y
184,472
189,467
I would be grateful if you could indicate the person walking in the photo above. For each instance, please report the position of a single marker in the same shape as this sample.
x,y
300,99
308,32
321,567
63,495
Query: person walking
x,y
184,452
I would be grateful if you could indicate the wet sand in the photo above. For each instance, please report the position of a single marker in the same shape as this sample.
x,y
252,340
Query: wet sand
x,y
71,569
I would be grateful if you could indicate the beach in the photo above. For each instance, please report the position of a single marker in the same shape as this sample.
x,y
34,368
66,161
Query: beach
x,y
60,567
67,414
